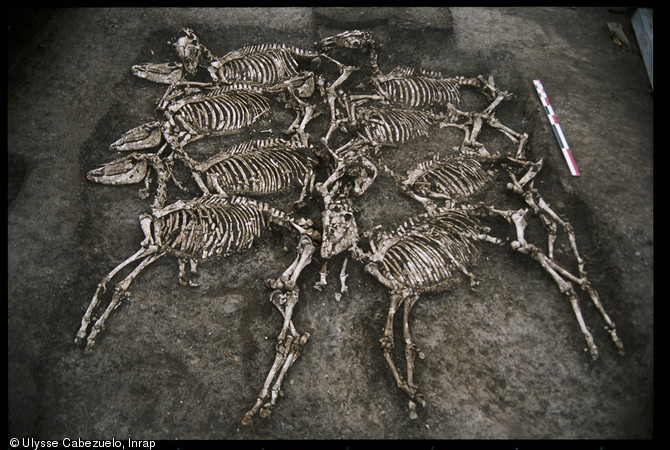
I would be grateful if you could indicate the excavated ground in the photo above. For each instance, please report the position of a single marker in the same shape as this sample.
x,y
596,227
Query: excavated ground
x,y
504,360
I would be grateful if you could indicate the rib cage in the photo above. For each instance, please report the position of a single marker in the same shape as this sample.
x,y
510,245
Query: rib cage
x,y
253,145
213,226
262,64
210,228
251,49
403,86
456,178
392,126
220,110
261,172
426,252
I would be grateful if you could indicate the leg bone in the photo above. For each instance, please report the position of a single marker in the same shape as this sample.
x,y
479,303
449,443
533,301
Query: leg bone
x,y
120,292
86,320
288,350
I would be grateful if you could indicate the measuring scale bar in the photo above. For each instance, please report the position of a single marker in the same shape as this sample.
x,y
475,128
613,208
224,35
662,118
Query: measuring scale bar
x,y
562,142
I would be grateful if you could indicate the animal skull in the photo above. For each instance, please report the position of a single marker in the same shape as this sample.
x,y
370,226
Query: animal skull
x,y
189,50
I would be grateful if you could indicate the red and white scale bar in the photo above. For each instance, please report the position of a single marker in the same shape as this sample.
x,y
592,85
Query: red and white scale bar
x,y
557,128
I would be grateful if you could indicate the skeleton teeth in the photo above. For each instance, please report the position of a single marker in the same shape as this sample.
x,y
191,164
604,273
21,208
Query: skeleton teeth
x,y
423,253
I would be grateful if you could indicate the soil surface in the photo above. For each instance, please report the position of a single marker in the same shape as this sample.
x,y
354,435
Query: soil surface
x,y
503,360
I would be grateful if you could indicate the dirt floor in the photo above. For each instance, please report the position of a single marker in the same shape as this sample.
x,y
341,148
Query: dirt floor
x,y
503,360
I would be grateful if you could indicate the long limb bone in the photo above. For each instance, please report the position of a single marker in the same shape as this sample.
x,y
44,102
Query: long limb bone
x,y
288,350
343,277
305,112
582,281
551,221
290,276
398,296
102,286
475,121
522,246
387,343
518,186
290,345
562,278
282,351
329,187
411,351
120,292
296,348
331,94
